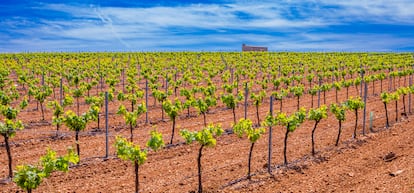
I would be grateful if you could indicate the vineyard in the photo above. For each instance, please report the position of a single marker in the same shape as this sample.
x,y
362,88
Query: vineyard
x,y
203,121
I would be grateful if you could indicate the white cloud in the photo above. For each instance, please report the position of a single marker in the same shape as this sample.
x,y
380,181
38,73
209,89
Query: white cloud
x,y
192,16
378,11
345,42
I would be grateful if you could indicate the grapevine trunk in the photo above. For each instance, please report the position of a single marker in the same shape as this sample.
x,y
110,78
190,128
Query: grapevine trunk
x,y
204,118
405,112
339,133
162,113
41,109
311,101
386,115
200,186
347,91
298,103
77,142
285,145
77,105
57,129
173,128
396,110
373,87
257,115
234,114
356,123
6,141
313,141
136,176
250,161
281,105
98,120
131,133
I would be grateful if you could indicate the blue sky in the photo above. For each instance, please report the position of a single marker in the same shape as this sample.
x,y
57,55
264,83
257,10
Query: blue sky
x,y
172,25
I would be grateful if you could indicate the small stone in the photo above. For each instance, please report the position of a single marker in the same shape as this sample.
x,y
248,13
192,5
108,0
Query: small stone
x,y
389,157
5,181
351,174
396,173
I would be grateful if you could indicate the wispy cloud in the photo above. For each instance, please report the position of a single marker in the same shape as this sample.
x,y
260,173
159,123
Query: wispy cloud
x,y
379,11
281,25
107,20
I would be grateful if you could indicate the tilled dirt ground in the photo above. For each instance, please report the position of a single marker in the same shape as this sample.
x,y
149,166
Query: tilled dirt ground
x,y
363,165
356,165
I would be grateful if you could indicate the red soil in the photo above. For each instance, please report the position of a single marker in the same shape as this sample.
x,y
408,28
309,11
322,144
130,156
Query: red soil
x,y
355,165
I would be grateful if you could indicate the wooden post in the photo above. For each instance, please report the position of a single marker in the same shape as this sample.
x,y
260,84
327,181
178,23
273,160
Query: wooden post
x,y
61,92
409,94
269,160
246,93
319,93
371,118
123,79
146,100
362,79
365,107
106,125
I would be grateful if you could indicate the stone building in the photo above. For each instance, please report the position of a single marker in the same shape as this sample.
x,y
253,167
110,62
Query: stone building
x,y
246,48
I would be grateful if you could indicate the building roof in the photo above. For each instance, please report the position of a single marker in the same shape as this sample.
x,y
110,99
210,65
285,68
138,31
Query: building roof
x,y
253,48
